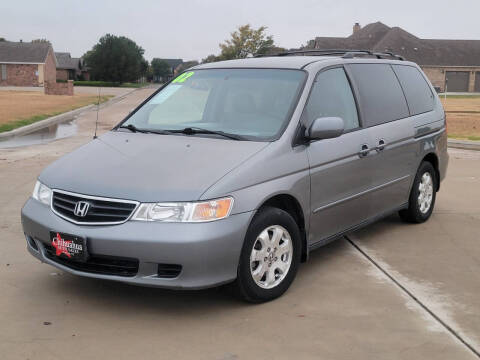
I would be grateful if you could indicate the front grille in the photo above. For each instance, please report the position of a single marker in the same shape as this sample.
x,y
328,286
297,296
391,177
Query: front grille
x,y
97,264
169,271
101,210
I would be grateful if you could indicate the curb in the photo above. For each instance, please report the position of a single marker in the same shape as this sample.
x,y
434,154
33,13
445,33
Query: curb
x,y
464,144
57,119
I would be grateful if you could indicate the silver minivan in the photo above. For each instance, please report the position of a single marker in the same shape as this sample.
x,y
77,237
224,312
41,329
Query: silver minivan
x,y
234,171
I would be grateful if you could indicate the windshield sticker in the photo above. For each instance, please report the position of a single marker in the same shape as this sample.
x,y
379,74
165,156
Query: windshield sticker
x,y
183,77
164,94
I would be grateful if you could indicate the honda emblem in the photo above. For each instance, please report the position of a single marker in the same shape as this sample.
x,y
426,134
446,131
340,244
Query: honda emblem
x,y
81,208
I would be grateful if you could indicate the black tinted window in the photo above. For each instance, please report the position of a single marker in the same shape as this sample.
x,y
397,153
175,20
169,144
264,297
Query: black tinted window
x,y
332,96
418,93
380,95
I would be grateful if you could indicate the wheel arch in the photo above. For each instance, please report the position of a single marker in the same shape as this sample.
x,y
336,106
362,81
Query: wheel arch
x,y
432,158
292,206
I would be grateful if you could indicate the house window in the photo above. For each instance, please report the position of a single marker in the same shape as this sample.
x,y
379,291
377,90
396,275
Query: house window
x,y
4,71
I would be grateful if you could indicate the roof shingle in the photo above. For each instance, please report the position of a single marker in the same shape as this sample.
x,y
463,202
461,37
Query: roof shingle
x,y
23,52
65,61
380,37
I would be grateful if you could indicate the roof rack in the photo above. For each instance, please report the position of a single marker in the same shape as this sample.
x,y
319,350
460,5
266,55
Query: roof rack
x,y
345,53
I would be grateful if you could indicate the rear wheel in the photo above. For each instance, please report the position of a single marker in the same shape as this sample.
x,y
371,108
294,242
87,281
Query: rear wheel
x,y
270,256
422,196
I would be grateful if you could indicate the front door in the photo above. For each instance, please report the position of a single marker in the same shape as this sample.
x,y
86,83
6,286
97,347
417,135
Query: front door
x,y
340,168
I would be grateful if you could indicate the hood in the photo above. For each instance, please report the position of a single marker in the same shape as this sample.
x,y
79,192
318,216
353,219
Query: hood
x,y
148,167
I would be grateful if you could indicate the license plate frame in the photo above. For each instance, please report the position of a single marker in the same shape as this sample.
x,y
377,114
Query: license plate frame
x,y
68,246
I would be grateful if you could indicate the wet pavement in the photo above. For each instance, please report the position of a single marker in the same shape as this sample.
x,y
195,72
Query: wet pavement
x,y
42,136
61,130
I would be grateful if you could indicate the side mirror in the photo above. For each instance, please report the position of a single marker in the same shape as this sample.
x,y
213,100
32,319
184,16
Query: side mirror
x,y
325,128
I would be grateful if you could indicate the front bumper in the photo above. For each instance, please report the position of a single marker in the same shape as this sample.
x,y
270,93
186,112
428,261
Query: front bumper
x,y
208,252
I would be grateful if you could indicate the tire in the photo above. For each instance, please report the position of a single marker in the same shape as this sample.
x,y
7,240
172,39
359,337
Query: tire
x,y
257,281
417,211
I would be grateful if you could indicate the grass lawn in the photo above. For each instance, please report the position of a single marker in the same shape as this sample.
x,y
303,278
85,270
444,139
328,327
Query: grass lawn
x,y
460,137
20,108
463,116
453,96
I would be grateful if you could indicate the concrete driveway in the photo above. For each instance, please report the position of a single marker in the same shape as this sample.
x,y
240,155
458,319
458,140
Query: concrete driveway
x,y
390,291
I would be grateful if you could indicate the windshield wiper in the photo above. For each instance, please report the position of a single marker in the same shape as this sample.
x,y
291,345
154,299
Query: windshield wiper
x,y
197,130
186,131
134,129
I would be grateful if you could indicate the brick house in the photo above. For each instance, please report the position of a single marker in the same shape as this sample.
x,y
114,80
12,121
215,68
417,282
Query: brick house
x,y
26,64
453,65
174,64
69,68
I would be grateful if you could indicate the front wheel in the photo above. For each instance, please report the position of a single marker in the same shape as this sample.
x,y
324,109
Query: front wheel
x,y
422,195
270,256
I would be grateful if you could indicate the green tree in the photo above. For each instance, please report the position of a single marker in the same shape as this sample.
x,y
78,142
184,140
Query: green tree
x,y
149,74
41,41
211,58
184,66
3,39
160,69
275,50
246,41
144,68
115,58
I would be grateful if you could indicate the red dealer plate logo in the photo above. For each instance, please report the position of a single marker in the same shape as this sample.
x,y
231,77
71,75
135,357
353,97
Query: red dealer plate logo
x,y
68,246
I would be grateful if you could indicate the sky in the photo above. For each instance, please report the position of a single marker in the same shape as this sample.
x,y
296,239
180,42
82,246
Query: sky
x,y
192,29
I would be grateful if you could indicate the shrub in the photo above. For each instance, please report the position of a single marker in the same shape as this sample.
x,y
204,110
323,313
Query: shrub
x,y
108,84
96,83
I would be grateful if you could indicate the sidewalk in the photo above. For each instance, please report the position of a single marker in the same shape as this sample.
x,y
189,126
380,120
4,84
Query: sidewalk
x,y
67,116
464,144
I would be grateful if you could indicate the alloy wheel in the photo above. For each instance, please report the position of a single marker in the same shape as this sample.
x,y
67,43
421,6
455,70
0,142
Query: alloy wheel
x,y
425,192
271,256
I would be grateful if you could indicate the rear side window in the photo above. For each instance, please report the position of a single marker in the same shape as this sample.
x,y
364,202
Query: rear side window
x,y
332,96
380,95
418,93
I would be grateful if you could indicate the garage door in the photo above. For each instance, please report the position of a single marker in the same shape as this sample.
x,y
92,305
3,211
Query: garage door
x,y
457,81
477,81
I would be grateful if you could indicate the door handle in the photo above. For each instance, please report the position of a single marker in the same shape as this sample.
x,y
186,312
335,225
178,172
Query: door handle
x,y
381,145
364,150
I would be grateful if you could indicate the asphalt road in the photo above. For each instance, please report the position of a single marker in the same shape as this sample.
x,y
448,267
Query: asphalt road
x,y
390,291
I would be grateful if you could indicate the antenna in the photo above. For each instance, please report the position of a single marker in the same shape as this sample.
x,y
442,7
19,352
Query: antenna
x,y
98,107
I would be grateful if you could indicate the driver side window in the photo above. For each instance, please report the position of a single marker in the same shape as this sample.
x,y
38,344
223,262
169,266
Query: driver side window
x,y
331,96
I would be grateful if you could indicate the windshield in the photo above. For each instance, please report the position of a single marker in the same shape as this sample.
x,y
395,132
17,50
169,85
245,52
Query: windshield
x,y
252,103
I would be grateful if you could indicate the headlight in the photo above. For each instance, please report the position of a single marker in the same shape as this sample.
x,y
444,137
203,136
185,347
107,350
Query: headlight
x,y
185,212
42,193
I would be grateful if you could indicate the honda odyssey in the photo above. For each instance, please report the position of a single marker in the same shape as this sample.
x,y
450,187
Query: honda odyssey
x,y
234,171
